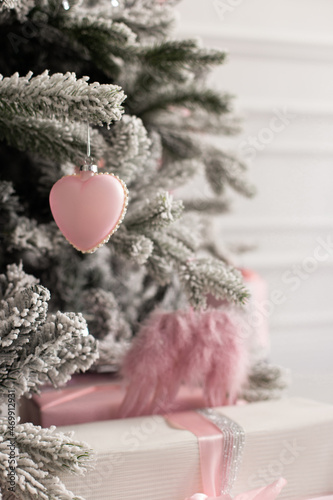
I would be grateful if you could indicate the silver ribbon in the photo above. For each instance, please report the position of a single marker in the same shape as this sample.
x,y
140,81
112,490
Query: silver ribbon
x,y
233,446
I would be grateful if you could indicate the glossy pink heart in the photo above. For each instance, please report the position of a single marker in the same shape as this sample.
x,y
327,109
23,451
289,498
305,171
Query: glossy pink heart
x,y
88,208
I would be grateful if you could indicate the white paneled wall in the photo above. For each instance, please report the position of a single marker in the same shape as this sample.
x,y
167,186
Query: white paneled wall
x,y
281,70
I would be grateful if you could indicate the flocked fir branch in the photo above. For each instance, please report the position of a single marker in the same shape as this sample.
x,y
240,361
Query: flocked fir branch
x,y
159,212
54,451
26,104
199,276
169,252
225,169
7,4
60,140
203,276
188,230
266,381
133,245
104,39
179,144
63,96
32,479
108,322
42,240
173,61
177,174
147,18
35,348
21,7
191,98
10,208
196,120
129,149
207,206
38,348
172,55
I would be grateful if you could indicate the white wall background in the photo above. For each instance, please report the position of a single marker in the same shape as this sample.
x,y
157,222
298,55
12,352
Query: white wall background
x,y
281,63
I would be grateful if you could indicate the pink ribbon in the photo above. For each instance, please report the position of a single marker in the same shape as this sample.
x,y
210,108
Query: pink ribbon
x,y
269,492
66,396
210,440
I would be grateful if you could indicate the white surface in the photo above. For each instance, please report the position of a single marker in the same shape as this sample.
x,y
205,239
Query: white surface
x,y
280,61
145,459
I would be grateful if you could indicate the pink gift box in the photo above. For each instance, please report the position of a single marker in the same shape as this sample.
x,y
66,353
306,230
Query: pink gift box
x,y
90,398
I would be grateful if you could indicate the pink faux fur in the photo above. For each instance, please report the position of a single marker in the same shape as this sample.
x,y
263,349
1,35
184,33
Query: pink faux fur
x,y
172,348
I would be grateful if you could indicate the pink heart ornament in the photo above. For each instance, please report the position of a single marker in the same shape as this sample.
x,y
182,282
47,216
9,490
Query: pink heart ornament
x,y
88,208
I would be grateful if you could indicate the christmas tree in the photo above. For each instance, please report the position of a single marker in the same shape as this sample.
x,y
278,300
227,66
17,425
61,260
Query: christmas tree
x,y
115,67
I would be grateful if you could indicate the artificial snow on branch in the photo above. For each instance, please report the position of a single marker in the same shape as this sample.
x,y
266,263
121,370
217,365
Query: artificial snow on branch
x,y
49,137
8,4
148,18
103,314
203,276
35,468
54,450
129,149
41,240
191,98
109,325
181,53
156,213
196,120
21,7
173,175
61,95
188,231
10,209
169,252
131,244
114,35
174,61
207,206
225,169
266,381
104,40
36,349
179,144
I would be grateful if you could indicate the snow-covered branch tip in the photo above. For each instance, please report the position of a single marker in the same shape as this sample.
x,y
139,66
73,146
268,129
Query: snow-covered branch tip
x,y
40,455
60,95
8,4
35,347
159,212
21,8
204,276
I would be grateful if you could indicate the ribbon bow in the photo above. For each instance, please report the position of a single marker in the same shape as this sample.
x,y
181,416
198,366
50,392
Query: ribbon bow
x,y
269,492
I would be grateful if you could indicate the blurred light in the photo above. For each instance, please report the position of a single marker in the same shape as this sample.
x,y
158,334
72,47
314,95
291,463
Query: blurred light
x,y
65,4
114,3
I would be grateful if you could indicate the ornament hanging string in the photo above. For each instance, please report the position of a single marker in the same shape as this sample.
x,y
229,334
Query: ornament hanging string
x,y
88,164
88,140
